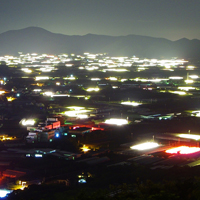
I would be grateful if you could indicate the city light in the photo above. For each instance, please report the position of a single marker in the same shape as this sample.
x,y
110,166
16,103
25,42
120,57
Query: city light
x,y
4,192
124,98
48,93
112,78
78,112
82,180
175,77
189,81
26,122
92,89
10,98
145,146
70,78
57,135
2,92
85,148
130,103
26,70
178,92
115,121
5,137
82,116
37,78
186,88
95,79
194,76
38,155
183,150
76,107
37,90
196,113
190,67
189,136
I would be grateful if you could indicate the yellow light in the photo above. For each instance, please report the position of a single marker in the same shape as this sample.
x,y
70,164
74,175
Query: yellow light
x,y
85,148
113,78
26,70
189,81
10,98
5,137
69,78
92,89
78,112
186,88
130,103
178,92
76,107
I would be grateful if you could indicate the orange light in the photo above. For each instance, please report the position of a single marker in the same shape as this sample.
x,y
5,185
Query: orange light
x,y
183,150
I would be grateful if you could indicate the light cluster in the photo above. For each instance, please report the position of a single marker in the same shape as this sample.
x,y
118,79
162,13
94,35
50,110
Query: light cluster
x,y
145,146
183,150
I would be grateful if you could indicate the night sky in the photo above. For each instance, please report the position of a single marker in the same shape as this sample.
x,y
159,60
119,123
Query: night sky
x,y
171,19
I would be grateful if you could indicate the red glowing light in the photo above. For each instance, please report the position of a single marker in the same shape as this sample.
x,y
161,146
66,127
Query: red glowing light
x,y
97,128
183,150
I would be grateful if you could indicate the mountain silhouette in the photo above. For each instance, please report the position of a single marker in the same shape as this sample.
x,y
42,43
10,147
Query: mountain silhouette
x,y
39,40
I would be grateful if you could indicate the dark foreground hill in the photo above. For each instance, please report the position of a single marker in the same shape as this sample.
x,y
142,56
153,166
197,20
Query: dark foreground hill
x,y
34,39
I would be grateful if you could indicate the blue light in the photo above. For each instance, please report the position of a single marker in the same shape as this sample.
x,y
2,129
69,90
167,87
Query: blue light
x,y
38,155
57,135
4,192
82,180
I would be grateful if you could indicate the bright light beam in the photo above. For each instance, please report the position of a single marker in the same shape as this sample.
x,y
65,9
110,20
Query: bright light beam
x,y
145,146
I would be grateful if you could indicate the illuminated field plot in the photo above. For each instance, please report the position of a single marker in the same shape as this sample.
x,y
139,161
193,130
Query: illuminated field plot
x,y
115,121
189,136
92,89
145,146
37,78
183,150
26,122
130,103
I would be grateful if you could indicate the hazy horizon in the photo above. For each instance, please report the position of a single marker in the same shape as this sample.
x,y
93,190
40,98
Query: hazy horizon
x,y
94,33
170,19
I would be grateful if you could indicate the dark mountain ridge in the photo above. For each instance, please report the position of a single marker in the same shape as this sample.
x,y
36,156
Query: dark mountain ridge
x,y
39,40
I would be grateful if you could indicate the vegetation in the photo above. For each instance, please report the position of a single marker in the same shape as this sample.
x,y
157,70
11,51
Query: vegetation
x,y
168,190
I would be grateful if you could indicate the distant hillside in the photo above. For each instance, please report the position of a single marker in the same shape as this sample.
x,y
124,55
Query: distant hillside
x,y
34,39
